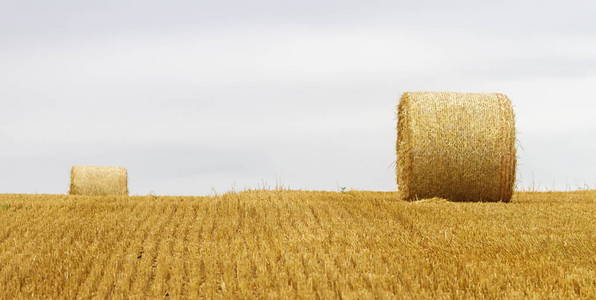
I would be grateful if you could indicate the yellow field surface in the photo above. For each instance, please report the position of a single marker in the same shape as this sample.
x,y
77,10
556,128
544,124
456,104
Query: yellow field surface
x,y
297,244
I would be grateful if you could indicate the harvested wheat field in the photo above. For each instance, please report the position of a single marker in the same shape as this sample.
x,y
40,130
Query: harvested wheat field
x,y
297,244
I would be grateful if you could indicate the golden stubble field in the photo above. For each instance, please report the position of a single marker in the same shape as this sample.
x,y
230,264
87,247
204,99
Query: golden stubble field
x,y
297,244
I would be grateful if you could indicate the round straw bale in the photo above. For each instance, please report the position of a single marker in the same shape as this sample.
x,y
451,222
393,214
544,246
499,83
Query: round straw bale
x,y
456,146
103,181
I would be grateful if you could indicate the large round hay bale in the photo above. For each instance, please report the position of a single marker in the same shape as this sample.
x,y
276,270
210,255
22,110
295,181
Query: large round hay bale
x,y
98,181
456,146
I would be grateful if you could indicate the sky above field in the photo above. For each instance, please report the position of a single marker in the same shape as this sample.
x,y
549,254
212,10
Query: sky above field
x,y
196,97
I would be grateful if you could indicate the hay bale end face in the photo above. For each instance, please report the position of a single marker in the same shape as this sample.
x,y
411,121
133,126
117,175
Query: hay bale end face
x,y
457,146
98,181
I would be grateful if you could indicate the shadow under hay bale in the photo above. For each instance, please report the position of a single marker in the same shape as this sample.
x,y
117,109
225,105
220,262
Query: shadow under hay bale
x,y
98,181
456,146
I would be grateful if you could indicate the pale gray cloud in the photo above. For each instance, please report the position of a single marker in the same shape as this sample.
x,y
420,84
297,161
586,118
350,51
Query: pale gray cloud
x,y
194,96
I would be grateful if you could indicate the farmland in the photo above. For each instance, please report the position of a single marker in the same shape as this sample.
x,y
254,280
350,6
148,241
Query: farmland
x,y
297,244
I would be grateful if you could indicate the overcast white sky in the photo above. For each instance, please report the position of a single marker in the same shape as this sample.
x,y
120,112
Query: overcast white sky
x,y
196,96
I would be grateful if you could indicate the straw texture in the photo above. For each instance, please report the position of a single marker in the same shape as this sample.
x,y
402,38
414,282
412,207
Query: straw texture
x,y
456,146
98,181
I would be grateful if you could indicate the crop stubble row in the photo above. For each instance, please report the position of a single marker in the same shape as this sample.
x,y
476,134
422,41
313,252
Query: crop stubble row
x,y
296,244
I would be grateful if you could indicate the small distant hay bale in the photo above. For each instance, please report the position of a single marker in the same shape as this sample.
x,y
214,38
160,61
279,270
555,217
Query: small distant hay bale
x,y
98,181
456,146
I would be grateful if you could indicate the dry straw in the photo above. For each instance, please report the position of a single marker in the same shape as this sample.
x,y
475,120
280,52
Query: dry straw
x,y
98,181
456,146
